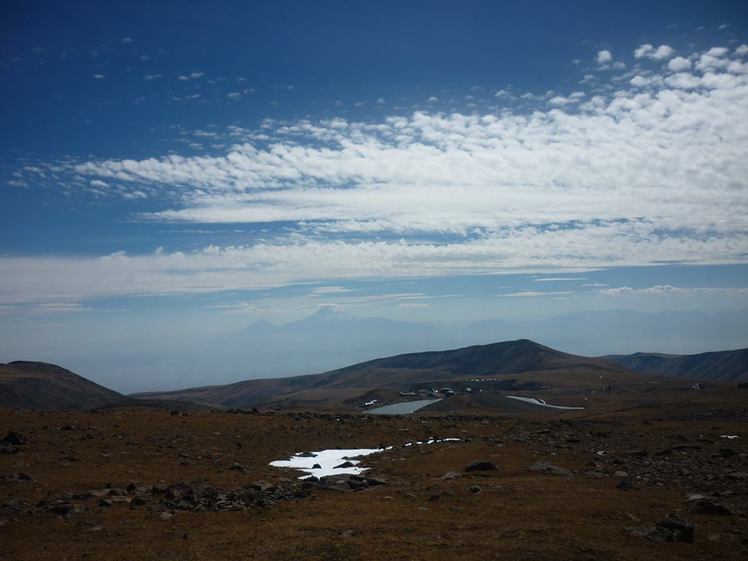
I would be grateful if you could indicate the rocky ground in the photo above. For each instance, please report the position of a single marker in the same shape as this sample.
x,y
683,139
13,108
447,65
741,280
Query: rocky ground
x,y
140,484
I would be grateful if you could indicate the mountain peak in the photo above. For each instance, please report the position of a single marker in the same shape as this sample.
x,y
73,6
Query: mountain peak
x,y
40,367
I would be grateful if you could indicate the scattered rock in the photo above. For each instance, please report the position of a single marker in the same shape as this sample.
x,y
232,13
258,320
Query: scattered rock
x,y
15,439
375,481
62,508
334,483
636,453
451,475
676,447
260,486
8,448
545,467
481,465
625,485
165,515
701,504
346,464
137,501
669,529
17,477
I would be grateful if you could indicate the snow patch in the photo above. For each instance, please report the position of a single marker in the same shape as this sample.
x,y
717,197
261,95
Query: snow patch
x,y
542,403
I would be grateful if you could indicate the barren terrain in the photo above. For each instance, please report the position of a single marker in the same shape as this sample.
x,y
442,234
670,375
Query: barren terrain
x,y
126,484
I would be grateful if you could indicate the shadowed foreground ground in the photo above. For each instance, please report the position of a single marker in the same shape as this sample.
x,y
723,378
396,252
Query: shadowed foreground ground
x,y
507,513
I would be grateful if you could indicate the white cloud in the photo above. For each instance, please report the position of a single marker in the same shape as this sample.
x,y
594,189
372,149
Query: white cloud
x,y
612,176
604,57
648,51
742,50
679,64
326,290
127,40
626,290
215,269
713,60
630,155
99,76
192,76
659,290
534,294
683,81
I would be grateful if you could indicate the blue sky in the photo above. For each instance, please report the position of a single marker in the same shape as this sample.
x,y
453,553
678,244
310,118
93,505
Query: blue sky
x,y
422,161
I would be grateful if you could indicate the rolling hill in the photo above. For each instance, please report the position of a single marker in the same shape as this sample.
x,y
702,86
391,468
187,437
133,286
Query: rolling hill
x,y
403,372
720,365
47,387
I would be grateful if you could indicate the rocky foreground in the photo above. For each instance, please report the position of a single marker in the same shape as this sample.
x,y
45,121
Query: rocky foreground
x,y
139,484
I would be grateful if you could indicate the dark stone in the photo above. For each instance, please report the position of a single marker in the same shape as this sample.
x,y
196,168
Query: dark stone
x,y
8,448
374,481
625,485
481,465
260,486
669,529
137,501
316,466
676,447
334,483
681,530
545,467
346,464
701,504
357,484
15,439
451,475
16,477
62,509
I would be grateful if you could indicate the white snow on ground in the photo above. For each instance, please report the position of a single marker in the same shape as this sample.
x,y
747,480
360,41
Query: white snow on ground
x,y
542,403
329,459
431,441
